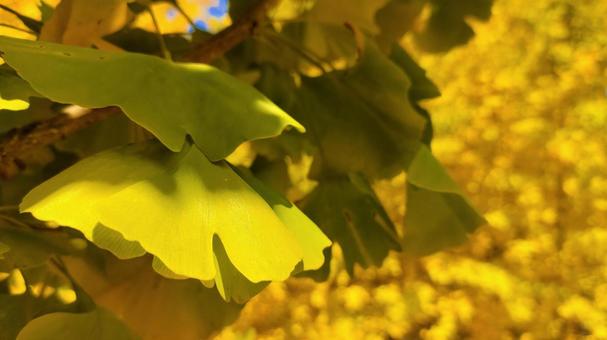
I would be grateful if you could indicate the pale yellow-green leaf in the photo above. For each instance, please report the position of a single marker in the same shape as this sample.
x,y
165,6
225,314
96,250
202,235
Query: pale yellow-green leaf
x,y
173,204
171,100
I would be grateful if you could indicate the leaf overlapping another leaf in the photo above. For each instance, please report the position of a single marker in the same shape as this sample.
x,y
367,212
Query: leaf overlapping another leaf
x,y
171,100
438,214
173,204
350,214
14,91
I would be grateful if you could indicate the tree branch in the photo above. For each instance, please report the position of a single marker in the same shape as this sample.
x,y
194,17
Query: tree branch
x,y
19,142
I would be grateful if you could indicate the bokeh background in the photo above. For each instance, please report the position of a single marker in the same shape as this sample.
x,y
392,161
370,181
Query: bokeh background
x,y
521,125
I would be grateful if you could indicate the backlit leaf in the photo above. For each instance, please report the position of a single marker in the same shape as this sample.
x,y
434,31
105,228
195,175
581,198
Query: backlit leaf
x,y
173,204
171,100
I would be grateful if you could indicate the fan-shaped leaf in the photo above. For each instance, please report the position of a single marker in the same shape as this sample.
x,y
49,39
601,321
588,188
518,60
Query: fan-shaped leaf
x,y
173,205
357,129
171,100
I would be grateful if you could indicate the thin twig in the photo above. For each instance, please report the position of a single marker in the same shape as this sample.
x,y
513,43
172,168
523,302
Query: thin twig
x,y
227,39
19,142
17,28
163,45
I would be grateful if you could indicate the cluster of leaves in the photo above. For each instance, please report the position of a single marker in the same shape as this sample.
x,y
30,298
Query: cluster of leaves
x,y
190,188
521,125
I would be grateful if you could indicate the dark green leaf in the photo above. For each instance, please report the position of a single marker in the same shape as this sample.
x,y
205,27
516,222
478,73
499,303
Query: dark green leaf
x,y
447,27
350,214
438,215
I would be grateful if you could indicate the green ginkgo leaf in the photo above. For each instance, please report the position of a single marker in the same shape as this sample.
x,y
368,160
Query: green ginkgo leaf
x,y
438,214
348,211
173,204
95,325
14,91
357,130
171,100
421,86
446,26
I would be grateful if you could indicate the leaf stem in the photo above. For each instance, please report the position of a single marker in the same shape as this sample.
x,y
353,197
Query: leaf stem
x,y
17,28
163,46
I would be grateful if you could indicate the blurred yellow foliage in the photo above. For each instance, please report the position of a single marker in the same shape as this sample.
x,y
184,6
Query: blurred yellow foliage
x,y
521,125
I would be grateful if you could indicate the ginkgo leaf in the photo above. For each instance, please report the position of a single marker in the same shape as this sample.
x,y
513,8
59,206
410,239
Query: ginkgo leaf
x,y
85,22
152,306
173,204
14,91
171,100
350,214
357,130
438,215
421,86
95,325
447,27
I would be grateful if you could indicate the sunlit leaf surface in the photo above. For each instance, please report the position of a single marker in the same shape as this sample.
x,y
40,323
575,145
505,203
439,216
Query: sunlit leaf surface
x,y
173,204
170,100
